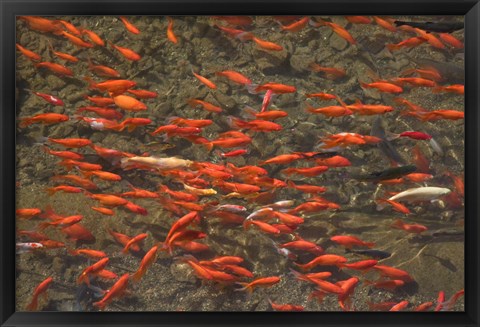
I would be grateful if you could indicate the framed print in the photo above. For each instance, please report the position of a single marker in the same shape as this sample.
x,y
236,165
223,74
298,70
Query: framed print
x,y
197,163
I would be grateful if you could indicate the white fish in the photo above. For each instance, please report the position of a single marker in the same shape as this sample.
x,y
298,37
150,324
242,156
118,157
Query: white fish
x,y
427,193
27,247
156,163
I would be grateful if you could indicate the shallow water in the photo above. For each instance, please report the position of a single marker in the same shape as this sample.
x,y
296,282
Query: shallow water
x,y
435,258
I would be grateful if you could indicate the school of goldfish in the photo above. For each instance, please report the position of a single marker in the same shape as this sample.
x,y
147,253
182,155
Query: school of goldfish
x,y
234,186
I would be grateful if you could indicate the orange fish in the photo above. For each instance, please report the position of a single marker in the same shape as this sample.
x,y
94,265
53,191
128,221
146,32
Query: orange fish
x,y
70,27
29,54
114,87
323,260
69,164
94,254
129,26
61,55
64,222
285,307
27,213
308,172
383,87
170,35
358,19
455,88
330,72
126,52
239,34
102,70
76,40
394,273
65,188
389,285
451,40
282,159
194,103
340,31
147,261
104,175
93,37
126,102
303,245
107,199
360,265
411,228
235,77
46,119
134,240
266,45
330,111
56,68
427,72
85,183
260,282
408,43
276,88
40,289
296,26
431,39
117,290
104,211
71,142
321,95
123,239
414,81
107,113
397,206
205,81
312,189
385,24
399,306
143,94
100,101
92,270
235,20
350,241
43,24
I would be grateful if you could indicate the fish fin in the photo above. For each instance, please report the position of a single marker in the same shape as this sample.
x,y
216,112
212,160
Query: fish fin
x,y
100,305
33,305
391,136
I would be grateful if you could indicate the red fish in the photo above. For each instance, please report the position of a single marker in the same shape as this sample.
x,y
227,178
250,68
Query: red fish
x,y
76,40
330,72
127,53
297,26
260,282
411,228
267,45
323,260
29,54
93,37
27,213
194,103
235,77
117,290
276,88
129,26
114,87
351,241
170,34
146,262
383,87
205,81
40,289
56,68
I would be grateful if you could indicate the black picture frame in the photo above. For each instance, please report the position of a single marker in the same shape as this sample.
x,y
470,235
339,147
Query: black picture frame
x,y
10,8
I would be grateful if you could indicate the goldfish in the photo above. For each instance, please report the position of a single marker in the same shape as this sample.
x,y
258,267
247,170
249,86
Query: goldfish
x,y
134,240
234,153
235,20
69,164
236,33
92,270
126,102
27,247
360,265
143,94
42,24
285,307
393,273
103,71
438,114
107,199
56,68
276,88
94,254
389,285
260,282
27,213
127,53
330,72
70,27
303,245
309,172
156,163
348,287
397,206
123,240
85,183
383,87
257,125
117,290
411,228
104,175
170,35
431,39
107,113
385,24
340,31
146,262
63,188
114,87
351,241
296,26
194,103
205,81
282,159
451,40
100,101
129,26
71,142
323,260
399,306
330,111
28,53
104,211
76,40
426,72
39,290
267,45
321,95
63,222
235,77
358,19
368,109
305,188
458,182
414,81
93,37
267,228
418,177
335,161
455,88
424,306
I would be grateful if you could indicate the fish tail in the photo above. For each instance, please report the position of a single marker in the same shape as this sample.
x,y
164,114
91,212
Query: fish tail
x,y
33,305
381,204
303,267
437,89
138,275
209,146
91,82
364,85
43,226
100,305
397,223
392,47
51,191
25,122
245,287
370,244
